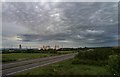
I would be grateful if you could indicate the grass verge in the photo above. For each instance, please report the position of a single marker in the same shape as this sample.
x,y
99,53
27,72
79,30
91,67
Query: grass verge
x,y
67,68
11,57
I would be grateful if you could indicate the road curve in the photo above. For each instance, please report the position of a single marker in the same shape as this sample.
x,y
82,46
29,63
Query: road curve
x,y
13,68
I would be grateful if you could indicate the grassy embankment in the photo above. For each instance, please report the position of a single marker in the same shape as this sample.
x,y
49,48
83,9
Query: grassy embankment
x,y
67,68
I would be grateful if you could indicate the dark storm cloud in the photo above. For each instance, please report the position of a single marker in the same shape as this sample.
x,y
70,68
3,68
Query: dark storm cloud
x,y
38,38
90,23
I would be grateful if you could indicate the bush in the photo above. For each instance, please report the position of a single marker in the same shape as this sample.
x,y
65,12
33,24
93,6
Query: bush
x,y
89,62
114,64
116,50
96,54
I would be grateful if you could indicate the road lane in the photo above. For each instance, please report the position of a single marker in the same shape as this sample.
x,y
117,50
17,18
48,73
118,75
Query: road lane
x,y
15,64
14,70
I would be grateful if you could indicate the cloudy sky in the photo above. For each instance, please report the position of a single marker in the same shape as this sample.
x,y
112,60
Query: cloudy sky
x,y
68,24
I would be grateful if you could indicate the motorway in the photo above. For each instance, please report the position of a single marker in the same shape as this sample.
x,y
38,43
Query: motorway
x,y
16,67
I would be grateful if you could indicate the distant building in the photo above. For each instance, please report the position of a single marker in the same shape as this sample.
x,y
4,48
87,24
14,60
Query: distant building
x,y
20,46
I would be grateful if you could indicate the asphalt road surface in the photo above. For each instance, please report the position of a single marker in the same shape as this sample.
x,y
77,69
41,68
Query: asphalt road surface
x,y
13,68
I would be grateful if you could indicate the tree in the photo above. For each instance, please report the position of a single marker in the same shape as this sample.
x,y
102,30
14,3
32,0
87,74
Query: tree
x,y
114,64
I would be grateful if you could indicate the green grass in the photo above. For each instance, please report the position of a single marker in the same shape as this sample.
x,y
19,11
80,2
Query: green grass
x,y
22,56
67,68
65,52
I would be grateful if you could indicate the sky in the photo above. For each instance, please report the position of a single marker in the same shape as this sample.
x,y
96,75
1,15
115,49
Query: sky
x,y
67,24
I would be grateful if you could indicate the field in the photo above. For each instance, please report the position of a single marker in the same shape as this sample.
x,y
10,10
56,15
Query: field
x,y
67,68
22,56
65,52
10,57
96,61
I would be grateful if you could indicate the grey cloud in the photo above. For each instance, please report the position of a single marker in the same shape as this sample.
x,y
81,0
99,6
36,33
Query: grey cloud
x,y
77,21
38,38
